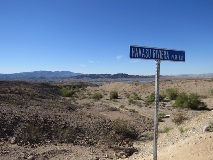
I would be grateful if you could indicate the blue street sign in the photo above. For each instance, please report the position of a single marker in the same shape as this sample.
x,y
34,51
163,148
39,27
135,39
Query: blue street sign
x,y
142,52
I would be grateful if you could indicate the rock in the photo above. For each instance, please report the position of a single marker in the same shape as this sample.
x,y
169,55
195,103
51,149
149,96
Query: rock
x,y
121,155
22,155
205,129
13,140
95,158
208,128
31,157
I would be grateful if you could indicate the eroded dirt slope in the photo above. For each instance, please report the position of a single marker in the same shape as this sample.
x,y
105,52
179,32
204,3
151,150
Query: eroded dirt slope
x,y
36,121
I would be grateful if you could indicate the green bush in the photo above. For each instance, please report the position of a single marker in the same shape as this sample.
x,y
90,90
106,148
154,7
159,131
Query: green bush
x,y
151,98
135,96
97,96
160,117
166,129
181,100
182,130
125,129
171,93
133,111
113,95
122,106
191,101
131,101
212,92
67,92
195,103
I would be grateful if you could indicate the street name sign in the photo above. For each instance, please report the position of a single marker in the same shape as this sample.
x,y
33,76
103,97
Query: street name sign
x,y
157,54
142,52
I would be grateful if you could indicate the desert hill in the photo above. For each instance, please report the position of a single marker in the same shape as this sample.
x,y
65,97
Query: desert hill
x,y
69,120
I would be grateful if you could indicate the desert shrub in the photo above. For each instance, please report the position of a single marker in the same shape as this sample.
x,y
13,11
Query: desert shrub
x,y
161,117
195,103
192,101
133,111
67,91
179,118
113,109
181,100
66,134
34,131
182,130
113,95
171,93
212,92
55,105
127,95
210,127
122,106
131,101
166,129
147,135
97,96
135,96
37,130
125,129
151,98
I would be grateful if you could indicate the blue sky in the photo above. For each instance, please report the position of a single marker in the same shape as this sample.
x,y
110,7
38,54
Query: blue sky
x,y
93,36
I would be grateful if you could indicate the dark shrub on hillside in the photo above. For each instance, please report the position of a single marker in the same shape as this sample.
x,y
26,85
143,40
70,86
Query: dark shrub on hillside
x,y
135,96
191,101
131,101
97,96
150,99
195,103
171,93
113,95
178,118
125,129
67,92
182,100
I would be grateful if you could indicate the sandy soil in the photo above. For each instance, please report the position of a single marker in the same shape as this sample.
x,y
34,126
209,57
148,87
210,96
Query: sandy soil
x,y
193,143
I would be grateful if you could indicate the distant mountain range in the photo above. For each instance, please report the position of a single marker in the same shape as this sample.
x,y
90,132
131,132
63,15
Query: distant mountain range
x,y
62,75
36,75
67,75
201,75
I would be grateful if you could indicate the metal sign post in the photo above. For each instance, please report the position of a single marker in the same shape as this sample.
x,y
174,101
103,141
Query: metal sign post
x,y
157,76
157,54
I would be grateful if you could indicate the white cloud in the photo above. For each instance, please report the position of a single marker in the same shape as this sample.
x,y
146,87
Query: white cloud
x,y
134,61
83,65
94,61
91,61
119,57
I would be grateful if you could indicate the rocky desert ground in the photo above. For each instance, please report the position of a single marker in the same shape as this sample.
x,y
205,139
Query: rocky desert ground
x,y
79,121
